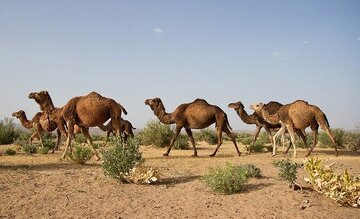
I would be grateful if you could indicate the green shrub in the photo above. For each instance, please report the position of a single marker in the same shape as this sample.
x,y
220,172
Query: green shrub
x,y
24,136
48,136
353,142
309,140
8,134
252,171
121,159
209,136
245,138
80,138
43,150
287,170
226,180
98,138
29,149
10,152
339,135
158,134
258,147
49,143
80,154
263,137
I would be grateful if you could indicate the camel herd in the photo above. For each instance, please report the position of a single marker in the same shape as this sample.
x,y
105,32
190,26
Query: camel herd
x,y
93,110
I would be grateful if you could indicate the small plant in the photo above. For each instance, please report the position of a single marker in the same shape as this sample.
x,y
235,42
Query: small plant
x,y
252,171
10,152
49,144
8,134
182,142
353,140
80,138
29,149
80,154
227,180
258,147
121,159
287,171
209,136
43,150
344,189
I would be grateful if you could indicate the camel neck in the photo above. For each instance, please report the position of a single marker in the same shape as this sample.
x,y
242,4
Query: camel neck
x,y
244,116
270,118
163,116
47,105
25,122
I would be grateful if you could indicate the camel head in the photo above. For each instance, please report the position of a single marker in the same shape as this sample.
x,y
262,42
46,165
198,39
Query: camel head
x,y
257,107
153,103
236,105
18,114
42,98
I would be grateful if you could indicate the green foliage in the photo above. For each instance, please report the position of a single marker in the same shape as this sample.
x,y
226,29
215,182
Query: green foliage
x,y
158,134
121,159
252,171
29,149
8,134
227,180
353,142
344,189
209,136
43,150
287,170
98,138
263,137
49,143
339,135
245,138
80,154
24,136
258,147
10,152
309,140
80,138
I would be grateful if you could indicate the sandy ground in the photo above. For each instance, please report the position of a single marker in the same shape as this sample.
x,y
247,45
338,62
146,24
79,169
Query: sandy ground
x,y
44,186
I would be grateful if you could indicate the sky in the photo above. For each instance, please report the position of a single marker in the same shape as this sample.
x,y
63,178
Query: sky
x,y
222,51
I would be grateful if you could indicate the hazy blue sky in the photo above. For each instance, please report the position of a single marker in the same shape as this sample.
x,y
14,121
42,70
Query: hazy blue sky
x,y
222,51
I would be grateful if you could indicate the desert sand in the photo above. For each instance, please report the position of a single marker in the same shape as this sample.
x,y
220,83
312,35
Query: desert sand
x,y
44,186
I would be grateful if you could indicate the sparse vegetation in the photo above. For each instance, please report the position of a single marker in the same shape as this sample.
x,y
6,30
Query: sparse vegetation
x,y
258,147
353,142
344,189
158,134
10,152
121,159
287,170
208,135
8,134
43,150
231,178
29,149
80,154
339,135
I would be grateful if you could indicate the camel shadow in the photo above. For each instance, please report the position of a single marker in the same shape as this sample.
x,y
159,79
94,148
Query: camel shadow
x,y
171,181
252,187
191,157
49,166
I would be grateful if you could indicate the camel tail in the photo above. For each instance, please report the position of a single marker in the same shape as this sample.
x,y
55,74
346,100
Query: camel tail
x,y
227,122
102,127
327,121
123,109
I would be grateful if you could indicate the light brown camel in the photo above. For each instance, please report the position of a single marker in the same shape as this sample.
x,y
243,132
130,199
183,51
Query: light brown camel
x,y
40,123
195,115
297,115
89,111
126,129
256,119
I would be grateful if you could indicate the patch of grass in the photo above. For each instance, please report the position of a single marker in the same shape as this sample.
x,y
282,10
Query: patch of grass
x,y
43,150
258,147
29,149
287,170
121,159
80,155
8,134
10,152
226,180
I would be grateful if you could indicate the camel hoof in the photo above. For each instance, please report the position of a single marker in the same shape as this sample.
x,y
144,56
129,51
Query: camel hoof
x,y
212,155
97,158
194,155
239,153
273,155
166,155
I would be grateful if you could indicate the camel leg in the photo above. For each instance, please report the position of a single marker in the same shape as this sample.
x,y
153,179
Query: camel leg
x,y
107,137
292,137
331,136
268,131
34,135
58,132
257,131
228,132
219,136
176,133
281,131
126,136
315,134
302,135
70,135
85,131
283,141
189,133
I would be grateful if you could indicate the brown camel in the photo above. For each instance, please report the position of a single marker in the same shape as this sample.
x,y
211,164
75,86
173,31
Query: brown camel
x,y
126,129
40,123
89,111
297,115
195,115
257,120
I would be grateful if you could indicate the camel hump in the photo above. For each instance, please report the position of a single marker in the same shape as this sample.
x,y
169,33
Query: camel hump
x,y
273,106
301,101
199,100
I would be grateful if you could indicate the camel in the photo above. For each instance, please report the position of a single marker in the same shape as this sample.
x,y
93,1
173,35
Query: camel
x,y
297,115
257,120
195,115
89,111
40,123
125,129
